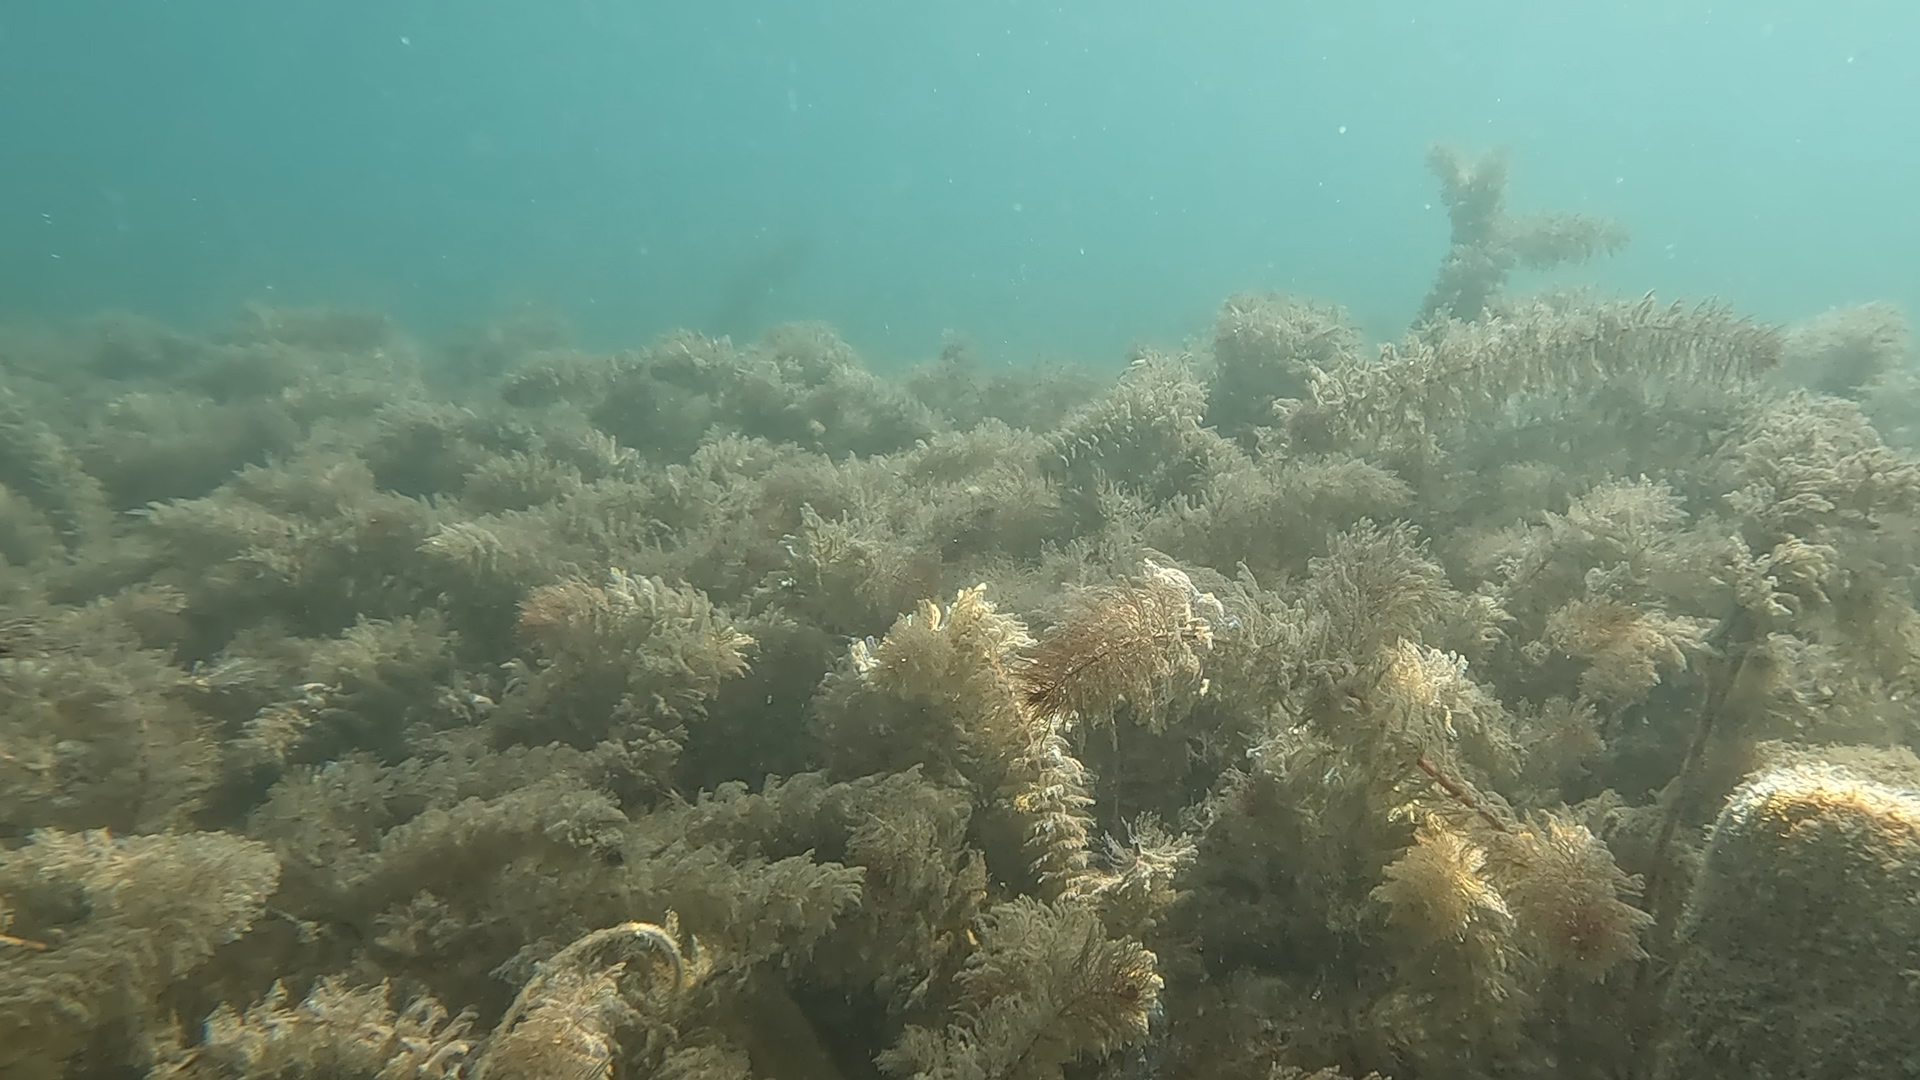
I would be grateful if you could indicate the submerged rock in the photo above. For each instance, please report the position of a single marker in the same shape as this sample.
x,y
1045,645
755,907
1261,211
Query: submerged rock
x,y
1803,935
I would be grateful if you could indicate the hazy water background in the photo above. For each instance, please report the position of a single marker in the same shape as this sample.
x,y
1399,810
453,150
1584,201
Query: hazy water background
x,y
1046,178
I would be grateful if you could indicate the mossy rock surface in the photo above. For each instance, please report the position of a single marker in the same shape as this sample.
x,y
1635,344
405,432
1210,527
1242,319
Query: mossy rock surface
x,y
1802,942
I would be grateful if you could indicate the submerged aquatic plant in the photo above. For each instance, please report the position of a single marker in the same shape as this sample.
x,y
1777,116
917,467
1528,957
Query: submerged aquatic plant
x,y
1287,708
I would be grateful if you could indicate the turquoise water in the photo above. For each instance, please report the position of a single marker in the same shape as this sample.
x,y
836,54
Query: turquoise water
x,y
1045,178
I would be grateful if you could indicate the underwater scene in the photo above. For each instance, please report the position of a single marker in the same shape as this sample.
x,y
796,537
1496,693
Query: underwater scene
x,y
841,541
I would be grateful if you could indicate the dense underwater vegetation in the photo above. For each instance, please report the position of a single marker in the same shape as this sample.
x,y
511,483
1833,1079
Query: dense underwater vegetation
x,y
1530,695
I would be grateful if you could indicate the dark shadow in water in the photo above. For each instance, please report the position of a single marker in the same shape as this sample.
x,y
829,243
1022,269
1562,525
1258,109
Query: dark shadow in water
x,y
741,300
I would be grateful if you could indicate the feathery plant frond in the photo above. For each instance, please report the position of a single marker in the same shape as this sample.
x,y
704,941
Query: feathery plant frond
x,y
1055,801
564,1024
1375,586
1568,897
336,1031
1122,643
1428,386
1487,242
1048,986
